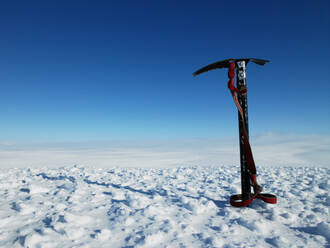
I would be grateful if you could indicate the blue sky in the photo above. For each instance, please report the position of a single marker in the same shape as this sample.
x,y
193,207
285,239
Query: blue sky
x,y
111,70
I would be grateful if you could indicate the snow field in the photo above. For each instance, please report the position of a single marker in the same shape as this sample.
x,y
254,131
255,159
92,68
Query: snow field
x,y
176,207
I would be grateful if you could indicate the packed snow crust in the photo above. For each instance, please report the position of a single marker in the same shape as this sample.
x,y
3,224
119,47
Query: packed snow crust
x,y
176,207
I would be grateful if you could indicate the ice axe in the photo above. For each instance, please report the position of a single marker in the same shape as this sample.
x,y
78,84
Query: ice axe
x,y
239,93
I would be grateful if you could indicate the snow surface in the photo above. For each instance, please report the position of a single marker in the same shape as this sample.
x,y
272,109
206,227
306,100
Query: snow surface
x,y
174,207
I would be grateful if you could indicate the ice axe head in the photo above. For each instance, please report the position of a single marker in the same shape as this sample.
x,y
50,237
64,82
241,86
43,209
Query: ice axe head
x,y
226,63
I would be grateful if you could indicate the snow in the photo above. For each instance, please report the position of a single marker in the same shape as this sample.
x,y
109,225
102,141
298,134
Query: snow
x,y
166,207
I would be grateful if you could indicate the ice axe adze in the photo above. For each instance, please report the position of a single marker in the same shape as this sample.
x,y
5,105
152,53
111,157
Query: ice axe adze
x,y
239,93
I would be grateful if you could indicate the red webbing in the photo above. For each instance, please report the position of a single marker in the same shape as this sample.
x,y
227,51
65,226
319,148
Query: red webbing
x,y
237,200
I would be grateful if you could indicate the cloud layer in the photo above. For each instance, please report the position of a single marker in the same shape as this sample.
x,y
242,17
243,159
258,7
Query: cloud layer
x,y
269,150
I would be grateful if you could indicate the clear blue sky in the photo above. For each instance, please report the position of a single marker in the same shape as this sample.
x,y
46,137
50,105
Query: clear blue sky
x,y
103,70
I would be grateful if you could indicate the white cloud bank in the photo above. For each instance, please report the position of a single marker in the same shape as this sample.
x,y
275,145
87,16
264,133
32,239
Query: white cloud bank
x,y
269,150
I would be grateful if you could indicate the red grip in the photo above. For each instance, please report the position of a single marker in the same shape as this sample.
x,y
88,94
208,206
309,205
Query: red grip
x,y
254,179
231,70
231,76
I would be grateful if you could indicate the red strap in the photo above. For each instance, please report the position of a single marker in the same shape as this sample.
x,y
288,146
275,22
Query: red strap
x,y
269,198
237,200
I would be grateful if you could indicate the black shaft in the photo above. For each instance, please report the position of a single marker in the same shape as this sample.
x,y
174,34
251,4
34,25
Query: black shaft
x,y
242,99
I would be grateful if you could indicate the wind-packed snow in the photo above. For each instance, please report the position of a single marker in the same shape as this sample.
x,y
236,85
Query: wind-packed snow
x,y
176,207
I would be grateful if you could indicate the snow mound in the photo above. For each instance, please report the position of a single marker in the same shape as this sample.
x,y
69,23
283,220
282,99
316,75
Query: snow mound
x,y
177,207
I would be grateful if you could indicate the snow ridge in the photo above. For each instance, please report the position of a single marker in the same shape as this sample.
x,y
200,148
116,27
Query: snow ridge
x,y
176,207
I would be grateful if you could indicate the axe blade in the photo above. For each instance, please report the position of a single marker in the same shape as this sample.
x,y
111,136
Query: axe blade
x,y
225,63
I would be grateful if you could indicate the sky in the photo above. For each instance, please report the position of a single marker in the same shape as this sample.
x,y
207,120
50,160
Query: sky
x,y
83,71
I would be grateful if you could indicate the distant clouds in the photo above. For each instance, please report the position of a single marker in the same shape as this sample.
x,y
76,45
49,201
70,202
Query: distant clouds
x,y
269,149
